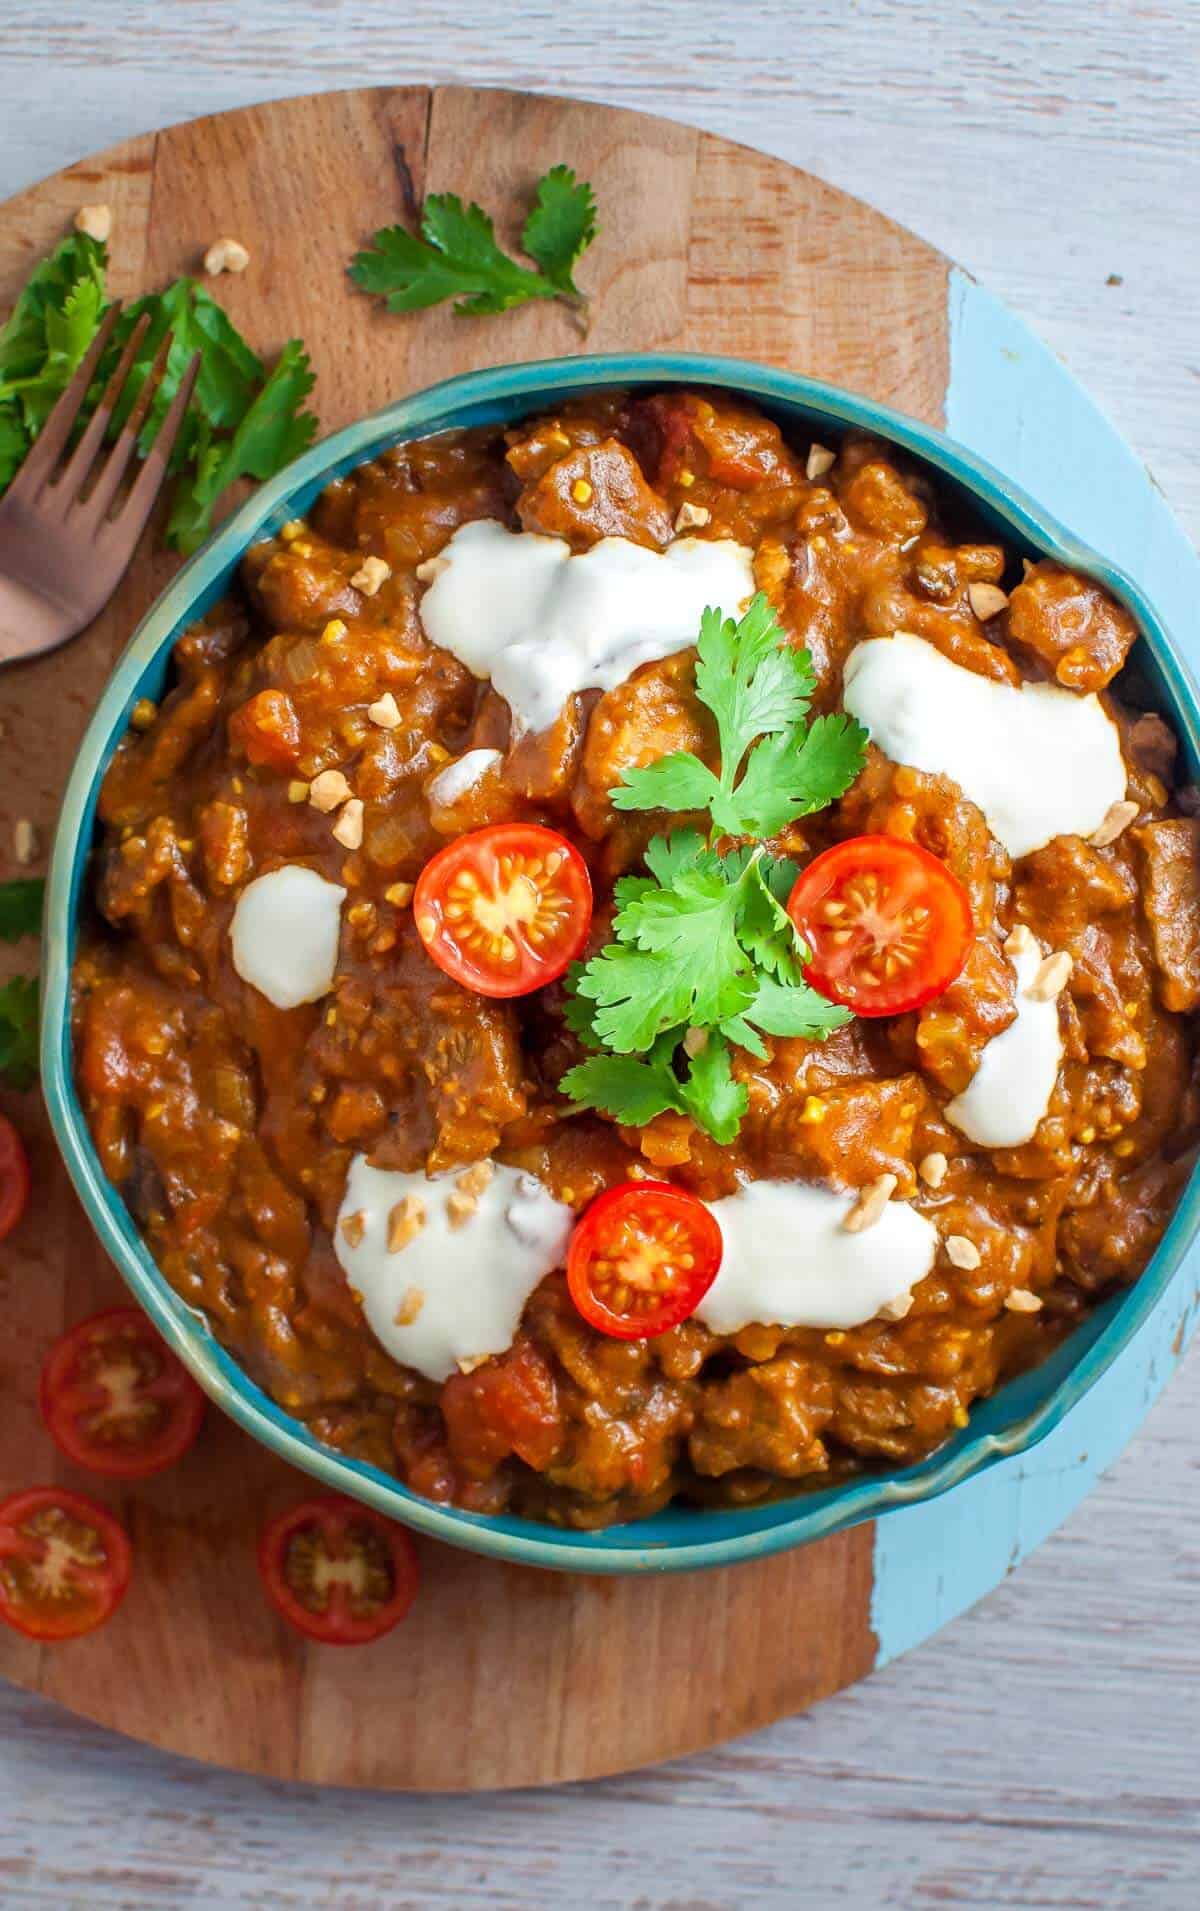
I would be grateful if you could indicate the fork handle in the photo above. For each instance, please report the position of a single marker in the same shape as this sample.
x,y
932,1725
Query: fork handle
x,y
29,623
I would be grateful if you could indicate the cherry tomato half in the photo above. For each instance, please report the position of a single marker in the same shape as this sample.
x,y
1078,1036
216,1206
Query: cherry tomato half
x,y
338,1571
889,927
115,1399
14,1177
64,1563
642,1259
504,910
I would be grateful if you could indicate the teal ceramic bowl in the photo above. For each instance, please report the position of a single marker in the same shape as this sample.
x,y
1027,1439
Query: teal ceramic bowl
x,y
1016,1417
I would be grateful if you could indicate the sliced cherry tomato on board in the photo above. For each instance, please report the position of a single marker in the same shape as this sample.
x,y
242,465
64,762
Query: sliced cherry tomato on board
x,y
337,1571
14,1177
116,1400
642,1259
64,1563
889,927
504,910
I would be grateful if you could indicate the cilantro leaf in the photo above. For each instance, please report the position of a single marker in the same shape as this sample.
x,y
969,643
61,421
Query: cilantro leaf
x,y
676,782
634,1091
765,930
21,907
710,1095
782,1008
758,689
786,779
561,226
13,443
272,431
51,326
751,679
629,1090
19,1032
457,256
667,856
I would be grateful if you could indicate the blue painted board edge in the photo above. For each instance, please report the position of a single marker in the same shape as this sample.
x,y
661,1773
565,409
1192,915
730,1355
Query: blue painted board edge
x,y
1013,402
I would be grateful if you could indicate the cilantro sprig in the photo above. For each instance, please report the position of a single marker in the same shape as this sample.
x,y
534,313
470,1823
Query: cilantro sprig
x,y
243,421
456,255
705,955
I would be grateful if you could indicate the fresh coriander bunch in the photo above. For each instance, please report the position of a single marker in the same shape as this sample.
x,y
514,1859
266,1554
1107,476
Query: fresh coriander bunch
x,y
705,954
244,421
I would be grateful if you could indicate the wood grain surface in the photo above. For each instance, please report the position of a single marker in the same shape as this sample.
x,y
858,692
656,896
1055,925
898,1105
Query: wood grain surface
x,y
561,1677
1041,1751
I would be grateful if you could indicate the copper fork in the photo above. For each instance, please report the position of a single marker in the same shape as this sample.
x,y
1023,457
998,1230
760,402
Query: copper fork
x,y
63,546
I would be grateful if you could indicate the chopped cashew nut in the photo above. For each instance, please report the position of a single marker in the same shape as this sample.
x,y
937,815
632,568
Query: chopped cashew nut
x,y
986,600
354,1227
932,1169
1118,819
371,573
470,1361
405,1221
691,516
298,792
460,1208
695,1041
95,221
226,255
411,1302
1020,941
348,830
961,1252
1051,978
897,1309
26,842
475,1179
326,791
431,569
385,712
868,1209
1021,1301
820,460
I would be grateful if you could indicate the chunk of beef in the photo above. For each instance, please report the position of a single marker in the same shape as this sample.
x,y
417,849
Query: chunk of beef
x,y
303,585
1072,625
1170,852
651,715
596,491
769,1416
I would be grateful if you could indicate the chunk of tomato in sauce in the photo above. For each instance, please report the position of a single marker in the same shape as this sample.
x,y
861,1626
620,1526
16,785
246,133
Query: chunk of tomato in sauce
x,y
266,731
508,1406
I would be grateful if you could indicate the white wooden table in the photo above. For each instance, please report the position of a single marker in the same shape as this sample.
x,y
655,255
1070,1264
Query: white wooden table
x,y
1042,1750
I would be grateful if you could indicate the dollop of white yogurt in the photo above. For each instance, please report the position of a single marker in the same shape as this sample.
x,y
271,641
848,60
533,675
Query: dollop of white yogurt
x,y
542,623
284,935
789,1260
451,1293
1010,1091
1040,762
460,776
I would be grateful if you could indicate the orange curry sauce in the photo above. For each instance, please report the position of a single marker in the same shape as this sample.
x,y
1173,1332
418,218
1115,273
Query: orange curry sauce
x,y
228,1124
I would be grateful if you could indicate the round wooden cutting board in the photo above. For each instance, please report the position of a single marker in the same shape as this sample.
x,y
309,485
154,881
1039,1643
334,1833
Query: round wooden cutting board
x,y
506,1676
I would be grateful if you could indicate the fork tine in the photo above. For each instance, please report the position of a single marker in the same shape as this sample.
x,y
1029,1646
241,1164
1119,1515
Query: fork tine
x,y
140,502
58,427
108,481
71,482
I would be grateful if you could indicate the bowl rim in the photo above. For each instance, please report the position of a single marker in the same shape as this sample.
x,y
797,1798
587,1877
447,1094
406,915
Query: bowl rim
x,y
432,409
